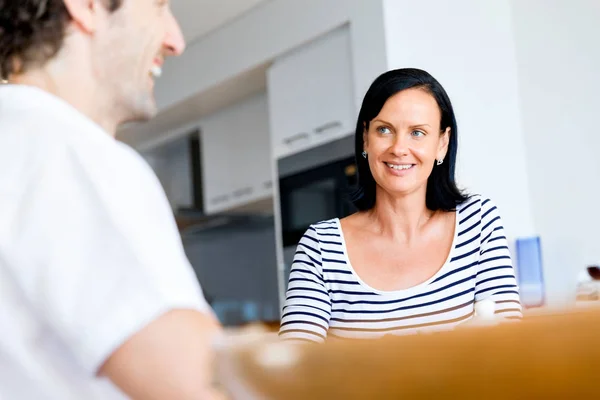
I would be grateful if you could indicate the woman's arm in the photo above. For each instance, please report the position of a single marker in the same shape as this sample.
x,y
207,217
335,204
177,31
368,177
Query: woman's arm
x,y
495,274
307,308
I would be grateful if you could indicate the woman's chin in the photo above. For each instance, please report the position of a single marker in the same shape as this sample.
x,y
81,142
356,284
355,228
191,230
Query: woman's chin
x,y
400,190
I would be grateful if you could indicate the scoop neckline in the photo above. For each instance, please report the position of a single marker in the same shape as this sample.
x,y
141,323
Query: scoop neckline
x,y
410,290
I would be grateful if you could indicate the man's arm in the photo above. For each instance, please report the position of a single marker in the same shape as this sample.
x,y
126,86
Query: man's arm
x,y
110,277
170,358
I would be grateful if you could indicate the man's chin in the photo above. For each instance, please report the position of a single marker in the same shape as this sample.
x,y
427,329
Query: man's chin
x,y
135,118
143,111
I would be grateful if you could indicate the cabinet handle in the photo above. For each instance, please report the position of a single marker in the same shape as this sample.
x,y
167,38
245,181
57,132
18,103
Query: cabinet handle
x,y
219,199
243,192
327,126
293,138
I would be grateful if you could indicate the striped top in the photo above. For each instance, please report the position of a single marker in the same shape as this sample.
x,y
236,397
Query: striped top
x,y
326,298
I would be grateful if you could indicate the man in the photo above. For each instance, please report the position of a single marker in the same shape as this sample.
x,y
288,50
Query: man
x,y
97,298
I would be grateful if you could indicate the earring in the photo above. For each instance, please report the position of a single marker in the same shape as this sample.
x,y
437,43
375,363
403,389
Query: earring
x,y
440,161
364,154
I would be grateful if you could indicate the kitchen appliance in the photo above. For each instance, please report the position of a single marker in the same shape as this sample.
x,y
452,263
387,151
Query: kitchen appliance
x,y
314,185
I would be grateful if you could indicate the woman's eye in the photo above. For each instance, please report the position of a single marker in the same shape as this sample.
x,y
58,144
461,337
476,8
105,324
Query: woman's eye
x,y
418,133
384,130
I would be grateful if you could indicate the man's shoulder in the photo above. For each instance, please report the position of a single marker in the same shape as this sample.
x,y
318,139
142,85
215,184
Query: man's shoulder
x,y
67,152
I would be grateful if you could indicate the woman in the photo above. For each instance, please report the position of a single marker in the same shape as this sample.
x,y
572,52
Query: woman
x,y
419,253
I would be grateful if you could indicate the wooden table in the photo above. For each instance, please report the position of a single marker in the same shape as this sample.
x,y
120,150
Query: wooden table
x,y
547,357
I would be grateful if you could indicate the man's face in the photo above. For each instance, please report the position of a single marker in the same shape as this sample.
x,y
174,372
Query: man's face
x,y
130,47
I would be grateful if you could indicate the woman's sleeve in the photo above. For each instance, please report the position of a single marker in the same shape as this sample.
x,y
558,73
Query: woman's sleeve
x,y
495,274
307,307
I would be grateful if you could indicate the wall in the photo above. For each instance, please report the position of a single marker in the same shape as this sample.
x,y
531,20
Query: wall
x,y
558,66
236,265
523,78
468,46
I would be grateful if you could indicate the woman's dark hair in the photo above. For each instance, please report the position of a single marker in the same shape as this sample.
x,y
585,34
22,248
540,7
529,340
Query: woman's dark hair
x,y
442,192
32,32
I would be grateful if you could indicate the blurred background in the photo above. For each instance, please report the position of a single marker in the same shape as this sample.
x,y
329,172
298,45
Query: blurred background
x,y
254,138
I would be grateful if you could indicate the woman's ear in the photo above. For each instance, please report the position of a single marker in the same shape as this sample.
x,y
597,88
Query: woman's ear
x,y
365,137
444,143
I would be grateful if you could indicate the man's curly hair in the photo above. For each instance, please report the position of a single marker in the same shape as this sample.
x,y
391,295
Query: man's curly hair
x,y
32,32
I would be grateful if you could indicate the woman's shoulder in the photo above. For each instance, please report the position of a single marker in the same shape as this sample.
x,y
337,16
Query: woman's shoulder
x,y
474,201
321,235
328,226
477,204
325,224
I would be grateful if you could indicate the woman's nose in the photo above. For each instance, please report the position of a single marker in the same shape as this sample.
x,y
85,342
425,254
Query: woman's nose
x,y
400,146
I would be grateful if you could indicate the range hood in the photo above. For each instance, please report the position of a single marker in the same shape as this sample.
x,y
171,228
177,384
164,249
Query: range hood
x,y
196,220
193,220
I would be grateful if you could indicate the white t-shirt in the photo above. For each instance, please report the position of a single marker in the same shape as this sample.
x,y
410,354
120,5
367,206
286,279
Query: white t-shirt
x,y
89,249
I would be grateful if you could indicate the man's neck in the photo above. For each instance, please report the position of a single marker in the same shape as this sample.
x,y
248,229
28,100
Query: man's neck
x,y
74,89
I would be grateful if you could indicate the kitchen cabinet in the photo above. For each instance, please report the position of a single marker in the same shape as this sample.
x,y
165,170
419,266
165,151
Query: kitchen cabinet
x,y
311,96
236,161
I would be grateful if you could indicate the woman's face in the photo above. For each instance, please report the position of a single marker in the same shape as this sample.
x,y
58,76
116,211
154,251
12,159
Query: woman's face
x,y
404,142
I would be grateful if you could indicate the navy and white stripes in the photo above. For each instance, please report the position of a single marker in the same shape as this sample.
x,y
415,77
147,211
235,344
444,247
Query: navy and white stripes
x,y
325,297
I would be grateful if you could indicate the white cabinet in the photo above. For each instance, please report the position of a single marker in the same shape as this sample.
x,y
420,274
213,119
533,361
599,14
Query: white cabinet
x,y
311,96
236,160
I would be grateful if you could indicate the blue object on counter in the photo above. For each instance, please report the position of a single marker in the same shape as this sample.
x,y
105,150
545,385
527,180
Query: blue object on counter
x,y
250,311
530,275
237,312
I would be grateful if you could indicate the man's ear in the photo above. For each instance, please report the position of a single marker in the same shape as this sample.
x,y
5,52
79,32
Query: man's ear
x,y
83,13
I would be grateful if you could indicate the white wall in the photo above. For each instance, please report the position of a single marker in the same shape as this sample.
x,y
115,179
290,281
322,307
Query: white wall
x,y
468,46
523,76
559,77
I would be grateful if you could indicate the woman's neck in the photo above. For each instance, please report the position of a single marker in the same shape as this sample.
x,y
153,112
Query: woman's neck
x,y
400,218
